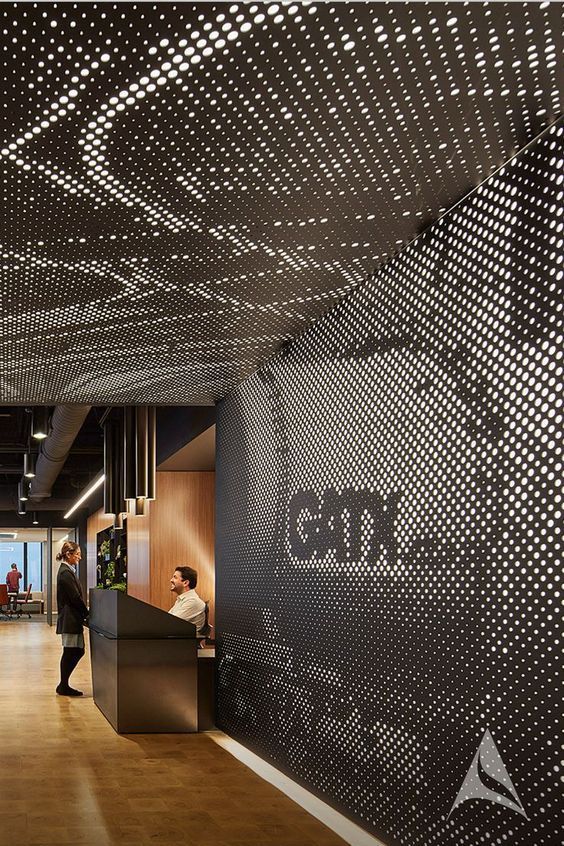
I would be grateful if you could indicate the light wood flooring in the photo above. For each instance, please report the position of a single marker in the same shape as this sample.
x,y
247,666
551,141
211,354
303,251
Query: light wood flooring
x,y
67,778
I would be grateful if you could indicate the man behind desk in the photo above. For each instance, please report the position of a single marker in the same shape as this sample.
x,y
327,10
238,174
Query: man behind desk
x,y
188,605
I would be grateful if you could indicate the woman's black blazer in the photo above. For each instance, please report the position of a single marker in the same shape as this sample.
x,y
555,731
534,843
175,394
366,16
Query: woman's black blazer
x,y
72,610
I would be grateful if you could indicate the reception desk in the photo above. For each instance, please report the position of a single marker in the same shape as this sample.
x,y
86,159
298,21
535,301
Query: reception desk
x,y
144,665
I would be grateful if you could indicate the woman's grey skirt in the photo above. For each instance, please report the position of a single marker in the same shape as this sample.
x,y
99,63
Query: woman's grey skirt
x,y
74,641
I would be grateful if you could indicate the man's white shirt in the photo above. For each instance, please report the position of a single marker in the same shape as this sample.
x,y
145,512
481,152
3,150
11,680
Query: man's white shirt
x,y
190,607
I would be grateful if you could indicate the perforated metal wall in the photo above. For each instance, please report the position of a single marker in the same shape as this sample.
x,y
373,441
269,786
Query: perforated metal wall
x,y
389,517
187,186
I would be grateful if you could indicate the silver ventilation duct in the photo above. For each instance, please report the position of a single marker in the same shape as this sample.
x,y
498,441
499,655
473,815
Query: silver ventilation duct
x,y
66,422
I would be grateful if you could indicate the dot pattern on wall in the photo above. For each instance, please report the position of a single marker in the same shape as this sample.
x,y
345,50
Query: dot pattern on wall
x,y
389,526
187,186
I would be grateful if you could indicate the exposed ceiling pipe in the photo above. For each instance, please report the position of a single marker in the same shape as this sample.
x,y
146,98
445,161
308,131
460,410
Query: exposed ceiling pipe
x,y
66,422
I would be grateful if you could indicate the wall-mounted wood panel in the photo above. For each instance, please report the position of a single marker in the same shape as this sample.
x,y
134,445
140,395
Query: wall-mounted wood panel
x,y
182,532
138,564
95,523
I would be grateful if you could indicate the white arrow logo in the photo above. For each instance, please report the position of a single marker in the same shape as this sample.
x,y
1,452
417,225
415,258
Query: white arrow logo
x,y
488,779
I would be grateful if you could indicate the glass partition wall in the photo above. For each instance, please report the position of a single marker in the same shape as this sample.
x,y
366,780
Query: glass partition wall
x,y
25,548
34,551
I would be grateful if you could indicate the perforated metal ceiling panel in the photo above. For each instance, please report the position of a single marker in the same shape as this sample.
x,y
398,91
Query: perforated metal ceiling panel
x,y
187,186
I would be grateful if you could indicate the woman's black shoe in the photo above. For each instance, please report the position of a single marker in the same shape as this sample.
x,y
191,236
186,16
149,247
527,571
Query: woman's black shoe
x,y
67,691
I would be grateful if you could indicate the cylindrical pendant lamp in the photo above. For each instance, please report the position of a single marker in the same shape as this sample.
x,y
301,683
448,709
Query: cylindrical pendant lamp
x,y
29,465
108,465
141,447
40,422
141,505
113,465
119,501
129,454
23,490
110,481
151,452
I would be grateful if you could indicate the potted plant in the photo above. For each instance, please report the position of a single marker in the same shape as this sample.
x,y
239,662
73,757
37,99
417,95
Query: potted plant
x,y
104,550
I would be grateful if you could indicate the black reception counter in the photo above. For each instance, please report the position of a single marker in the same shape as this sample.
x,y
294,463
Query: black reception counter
x,y
145,667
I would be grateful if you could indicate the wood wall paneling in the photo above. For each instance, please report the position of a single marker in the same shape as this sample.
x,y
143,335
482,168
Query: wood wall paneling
x,y
138,564
182,532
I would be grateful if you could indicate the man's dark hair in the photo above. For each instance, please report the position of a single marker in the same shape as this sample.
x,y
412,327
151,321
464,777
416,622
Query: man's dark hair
x,y
188,575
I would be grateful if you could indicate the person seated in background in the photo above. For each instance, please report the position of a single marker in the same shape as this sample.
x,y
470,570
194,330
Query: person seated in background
x,y
13,577
188,605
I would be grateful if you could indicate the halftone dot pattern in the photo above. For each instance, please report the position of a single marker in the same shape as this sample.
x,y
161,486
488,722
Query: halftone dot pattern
x,y
188,186
389,530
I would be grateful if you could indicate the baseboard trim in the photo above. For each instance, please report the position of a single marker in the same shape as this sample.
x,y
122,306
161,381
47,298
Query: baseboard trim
x,y
343,827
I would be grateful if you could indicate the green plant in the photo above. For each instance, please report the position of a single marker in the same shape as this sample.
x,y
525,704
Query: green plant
x,y
110,573
119,586
104,548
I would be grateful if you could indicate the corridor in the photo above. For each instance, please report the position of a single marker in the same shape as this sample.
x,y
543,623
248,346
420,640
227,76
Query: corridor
x,y
68,778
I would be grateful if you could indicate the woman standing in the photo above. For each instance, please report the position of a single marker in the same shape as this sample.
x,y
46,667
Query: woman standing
x,y
72,612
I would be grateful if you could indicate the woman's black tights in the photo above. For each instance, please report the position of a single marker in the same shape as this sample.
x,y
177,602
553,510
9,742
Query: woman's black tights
x,y
69,659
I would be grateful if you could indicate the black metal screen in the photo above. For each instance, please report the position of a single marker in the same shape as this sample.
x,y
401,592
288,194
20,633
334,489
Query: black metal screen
x,y
388,512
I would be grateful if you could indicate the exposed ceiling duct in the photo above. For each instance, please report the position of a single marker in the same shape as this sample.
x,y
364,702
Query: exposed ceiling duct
x,y
66,422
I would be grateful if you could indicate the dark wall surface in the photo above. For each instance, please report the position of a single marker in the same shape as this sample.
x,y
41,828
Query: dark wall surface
x,y
387,518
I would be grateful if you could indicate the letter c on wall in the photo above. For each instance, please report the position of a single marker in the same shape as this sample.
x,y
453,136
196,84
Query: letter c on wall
x,y
302,527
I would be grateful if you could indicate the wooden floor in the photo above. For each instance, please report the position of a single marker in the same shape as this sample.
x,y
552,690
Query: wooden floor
x,y
67,778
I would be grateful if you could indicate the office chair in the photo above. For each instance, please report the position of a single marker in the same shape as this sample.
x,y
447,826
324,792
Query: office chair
x,y
21,602
205,631
4,600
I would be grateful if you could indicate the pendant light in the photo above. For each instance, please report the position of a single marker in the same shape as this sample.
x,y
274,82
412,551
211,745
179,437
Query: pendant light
x,y
29,465
129,455
151,452
40,422
23,490
113,463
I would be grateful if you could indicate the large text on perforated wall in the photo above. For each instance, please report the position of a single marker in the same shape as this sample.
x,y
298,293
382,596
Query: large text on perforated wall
x,y
388,515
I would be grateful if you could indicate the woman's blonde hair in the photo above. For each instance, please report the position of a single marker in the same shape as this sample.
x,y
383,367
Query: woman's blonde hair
x,y
67,549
